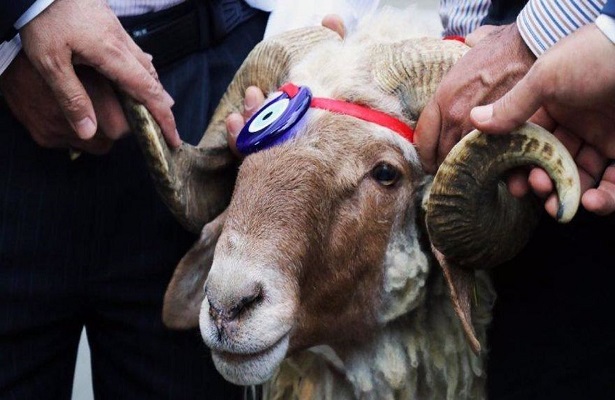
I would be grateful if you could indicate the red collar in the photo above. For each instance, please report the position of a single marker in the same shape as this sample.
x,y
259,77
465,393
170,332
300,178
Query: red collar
x,y
357,111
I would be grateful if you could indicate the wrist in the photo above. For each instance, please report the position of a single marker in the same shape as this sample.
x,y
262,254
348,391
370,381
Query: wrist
x,y
523,51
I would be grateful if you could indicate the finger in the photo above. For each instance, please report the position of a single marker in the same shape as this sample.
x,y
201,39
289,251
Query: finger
x,y
98,145
570,141
145,59
540,182
591,162
113,123
126,71
335,23
552,205
111,120
427,135
253,100
70,94
542,118
448,139
517,183
601,201
234,124
510,111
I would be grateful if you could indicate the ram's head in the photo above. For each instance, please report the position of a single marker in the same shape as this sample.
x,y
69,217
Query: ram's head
x,y
327,230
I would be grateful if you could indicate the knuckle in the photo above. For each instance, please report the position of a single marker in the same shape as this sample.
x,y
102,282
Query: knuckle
x,y
74,103
50,63
113,47
154,88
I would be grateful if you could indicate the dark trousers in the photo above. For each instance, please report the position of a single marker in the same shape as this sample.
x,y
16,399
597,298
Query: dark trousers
x,y
553,334
553,331
88,243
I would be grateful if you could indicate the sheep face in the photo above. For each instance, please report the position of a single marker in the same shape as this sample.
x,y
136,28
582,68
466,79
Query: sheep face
x,y
310,232
320,243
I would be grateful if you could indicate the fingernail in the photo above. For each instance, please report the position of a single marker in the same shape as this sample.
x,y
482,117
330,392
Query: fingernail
x,y
341,29
85,128
168,99
482,113
249,102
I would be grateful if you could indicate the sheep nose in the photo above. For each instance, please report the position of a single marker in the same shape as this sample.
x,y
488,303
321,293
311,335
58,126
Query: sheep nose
x,y
225,309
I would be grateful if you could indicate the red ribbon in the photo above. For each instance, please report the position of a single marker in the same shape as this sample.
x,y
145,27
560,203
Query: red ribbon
x,y
355,110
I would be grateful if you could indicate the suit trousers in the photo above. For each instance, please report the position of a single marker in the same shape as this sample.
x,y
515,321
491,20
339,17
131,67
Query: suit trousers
x,y
89,243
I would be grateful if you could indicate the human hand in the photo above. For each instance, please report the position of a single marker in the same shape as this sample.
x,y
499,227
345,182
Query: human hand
x,y
574,83
253,100
254,97
86,32
483,74
25,90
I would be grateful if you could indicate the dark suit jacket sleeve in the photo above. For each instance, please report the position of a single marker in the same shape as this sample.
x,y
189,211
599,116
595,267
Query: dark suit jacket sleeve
x,y
503,12
609,8
10,11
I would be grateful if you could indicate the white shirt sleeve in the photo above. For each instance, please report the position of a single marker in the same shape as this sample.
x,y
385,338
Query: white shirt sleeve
x,y
607,25
9,49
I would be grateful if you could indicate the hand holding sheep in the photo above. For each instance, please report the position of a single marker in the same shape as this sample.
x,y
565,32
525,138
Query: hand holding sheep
x,y
573,87
77,108
498,60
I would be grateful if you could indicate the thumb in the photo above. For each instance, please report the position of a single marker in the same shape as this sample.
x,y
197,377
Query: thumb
x,y
72,97
511,110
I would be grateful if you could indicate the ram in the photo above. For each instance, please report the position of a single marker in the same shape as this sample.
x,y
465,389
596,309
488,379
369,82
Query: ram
x,y
330,271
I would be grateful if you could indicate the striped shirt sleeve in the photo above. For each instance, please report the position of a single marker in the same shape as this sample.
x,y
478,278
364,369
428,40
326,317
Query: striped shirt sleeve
x,y
461,17
542,23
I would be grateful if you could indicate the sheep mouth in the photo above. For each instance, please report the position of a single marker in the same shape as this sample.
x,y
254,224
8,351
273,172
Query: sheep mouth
x,y
251,368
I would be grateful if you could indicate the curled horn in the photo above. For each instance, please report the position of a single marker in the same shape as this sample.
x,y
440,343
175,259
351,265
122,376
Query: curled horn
x,y
412,70
472,220
196,182
471,217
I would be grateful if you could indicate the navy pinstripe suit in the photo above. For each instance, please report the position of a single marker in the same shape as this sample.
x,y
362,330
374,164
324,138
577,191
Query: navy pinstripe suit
x,y
88,243
552,336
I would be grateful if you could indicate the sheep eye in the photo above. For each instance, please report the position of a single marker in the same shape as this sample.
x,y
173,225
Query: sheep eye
x,y
385,174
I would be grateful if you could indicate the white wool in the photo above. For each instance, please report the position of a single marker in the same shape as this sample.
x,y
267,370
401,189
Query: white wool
x,y
421,355
420,350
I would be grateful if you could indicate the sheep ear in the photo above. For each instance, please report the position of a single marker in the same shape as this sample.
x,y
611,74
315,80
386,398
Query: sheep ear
x,y
184,295
461,284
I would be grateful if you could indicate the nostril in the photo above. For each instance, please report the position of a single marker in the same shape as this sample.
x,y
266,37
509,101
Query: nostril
x,y
213,311
245,302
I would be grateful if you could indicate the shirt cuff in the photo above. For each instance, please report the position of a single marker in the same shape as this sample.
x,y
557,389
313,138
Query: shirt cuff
x,y
35,9
8,52
542,23
10,49
607,25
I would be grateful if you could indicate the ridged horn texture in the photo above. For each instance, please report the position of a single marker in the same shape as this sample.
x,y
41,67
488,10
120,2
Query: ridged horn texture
x,y
471,217
413,69
196,182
